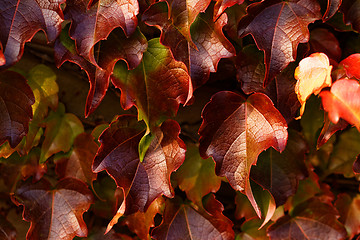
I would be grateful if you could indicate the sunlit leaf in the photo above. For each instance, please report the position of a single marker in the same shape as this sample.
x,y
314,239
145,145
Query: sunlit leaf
x,y
16,98
351,65
278,27
57,213
349,209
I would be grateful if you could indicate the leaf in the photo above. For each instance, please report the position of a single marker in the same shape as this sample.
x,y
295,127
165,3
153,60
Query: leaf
x,y
7,230
16,98
284,169
196,176
349,209
329,129
32,168
57,213
61,130
310,220
221,5
278,27
312,75
230,134
323,40
244,208
351,65
21,19
356,165
144,181
342,101
351,8
332,7
78,165
93,21
156,87
140,223
189,223
250,230
207,46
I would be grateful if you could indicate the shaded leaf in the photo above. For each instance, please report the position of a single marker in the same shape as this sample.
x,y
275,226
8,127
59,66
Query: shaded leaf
x,y
93,21
349,209
332,7
323,40
356,165
190,223
284,169
60,131
142,181
230,134
278,27
156,87
251,230
312,75
78,165
16,98
310,220
342,101
57,213
351,10
351,65
234,13
244,208
33,168
329,129
7,230
207,46
221,5
21,19
196,176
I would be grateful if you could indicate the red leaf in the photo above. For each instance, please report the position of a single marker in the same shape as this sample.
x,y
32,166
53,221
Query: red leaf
x,y
221,5
351,65
156,87
190,223
207,46
329,129
310,220
93,21
332,7
21,19
351,10
55,214
278,27
349,209
342,101
356,165
16,98
323,40
142,181
230,134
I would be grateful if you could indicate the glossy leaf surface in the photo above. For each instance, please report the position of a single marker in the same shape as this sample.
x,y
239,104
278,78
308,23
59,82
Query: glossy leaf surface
x,y
16,98
57,213
278,27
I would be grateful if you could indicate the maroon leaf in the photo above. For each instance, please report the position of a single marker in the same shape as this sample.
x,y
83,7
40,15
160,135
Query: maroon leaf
x,y
278,27
55,214
221,5
230,134
21,19
191,223
16,98
93,21
349,209
282,169
207,46
323,40
332,7
310,220
142,181
351,10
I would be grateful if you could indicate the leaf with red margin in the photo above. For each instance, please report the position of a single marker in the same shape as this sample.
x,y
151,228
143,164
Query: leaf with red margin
x,y
2,57
57,213
142,181
16,98
284,169
323,40
235,131
278,27
93,20
196,176
208,45
156,87
194,223
78,165
312,75
117,47
349,209
351,10
141,222
332,7
329,129
21,19
342,101
351,65
309,220
221,5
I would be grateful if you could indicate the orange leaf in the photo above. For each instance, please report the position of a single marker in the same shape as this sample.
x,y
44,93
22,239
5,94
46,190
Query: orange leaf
x,y
313,74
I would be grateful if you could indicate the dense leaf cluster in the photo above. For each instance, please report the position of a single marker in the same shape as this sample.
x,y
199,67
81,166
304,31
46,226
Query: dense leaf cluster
x,y
240,119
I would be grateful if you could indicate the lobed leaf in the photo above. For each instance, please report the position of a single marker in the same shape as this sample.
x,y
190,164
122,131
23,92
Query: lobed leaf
x,y
21,19
278,27
16,98
57,213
